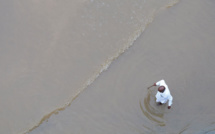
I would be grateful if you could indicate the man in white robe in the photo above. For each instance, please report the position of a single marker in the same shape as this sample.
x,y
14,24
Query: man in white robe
x,y
163,94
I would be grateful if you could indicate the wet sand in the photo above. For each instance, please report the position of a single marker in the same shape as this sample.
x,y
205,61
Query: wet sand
x,y
38,79
177,46
52,50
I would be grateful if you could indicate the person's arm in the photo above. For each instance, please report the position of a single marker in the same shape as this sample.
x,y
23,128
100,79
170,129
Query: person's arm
x,y
152,85
161,82
170,98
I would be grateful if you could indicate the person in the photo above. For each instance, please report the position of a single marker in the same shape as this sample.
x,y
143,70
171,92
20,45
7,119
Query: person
x,y
163,94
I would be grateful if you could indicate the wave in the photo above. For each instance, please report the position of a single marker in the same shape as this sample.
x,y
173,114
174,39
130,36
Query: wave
x,y
104,66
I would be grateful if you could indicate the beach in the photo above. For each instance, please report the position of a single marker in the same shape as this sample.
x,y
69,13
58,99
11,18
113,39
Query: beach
x,y
84,67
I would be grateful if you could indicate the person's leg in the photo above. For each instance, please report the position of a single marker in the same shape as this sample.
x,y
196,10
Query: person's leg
x,y
159,103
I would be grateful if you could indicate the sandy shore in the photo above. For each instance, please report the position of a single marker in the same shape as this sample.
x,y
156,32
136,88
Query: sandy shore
x,y
54,57
178,47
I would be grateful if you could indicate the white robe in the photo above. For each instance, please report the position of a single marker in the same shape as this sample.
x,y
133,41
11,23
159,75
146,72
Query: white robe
x,y
165,96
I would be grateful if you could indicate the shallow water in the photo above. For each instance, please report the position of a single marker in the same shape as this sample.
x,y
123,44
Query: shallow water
x,y
54,56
